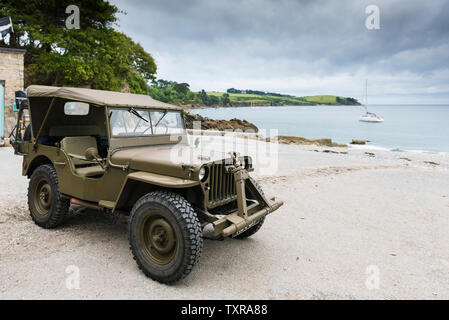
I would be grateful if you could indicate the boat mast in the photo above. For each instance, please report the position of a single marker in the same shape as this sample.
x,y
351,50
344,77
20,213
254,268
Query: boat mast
x,y
366,95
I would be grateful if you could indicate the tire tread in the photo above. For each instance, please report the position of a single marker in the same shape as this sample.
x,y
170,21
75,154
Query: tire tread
x,y
60,206
187,219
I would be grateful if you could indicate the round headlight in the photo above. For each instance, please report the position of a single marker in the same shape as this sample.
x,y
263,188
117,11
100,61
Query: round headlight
x,y
203,174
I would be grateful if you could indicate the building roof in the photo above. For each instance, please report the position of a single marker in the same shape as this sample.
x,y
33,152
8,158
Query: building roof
x,y
99,97
13,50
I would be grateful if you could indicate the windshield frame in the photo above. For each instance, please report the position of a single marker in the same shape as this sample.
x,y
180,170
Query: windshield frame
x,y
167,111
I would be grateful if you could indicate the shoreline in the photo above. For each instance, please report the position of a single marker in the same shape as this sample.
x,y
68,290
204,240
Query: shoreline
x,y
191,107
244,128
397,150
435,145
317,142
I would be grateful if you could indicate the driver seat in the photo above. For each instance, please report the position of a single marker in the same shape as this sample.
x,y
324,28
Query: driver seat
x,y
76,147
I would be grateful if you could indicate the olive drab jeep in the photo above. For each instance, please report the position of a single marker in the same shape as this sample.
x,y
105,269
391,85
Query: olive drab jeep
x,y
112,152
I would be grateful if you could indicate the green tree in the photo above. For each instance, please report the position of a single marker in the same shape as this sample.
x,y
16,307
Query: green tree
x,y
202,95
182,88
213,101
95,56
160,83
225,100
171,92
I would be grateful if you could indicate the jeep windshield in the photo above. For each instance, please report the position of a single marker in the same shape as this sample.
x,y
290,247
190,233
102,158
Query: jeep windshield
x,y
135,122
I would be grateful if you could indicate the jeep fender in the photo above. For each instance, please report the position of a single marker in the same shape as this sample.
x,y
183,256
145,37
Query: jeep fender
x,y
148,181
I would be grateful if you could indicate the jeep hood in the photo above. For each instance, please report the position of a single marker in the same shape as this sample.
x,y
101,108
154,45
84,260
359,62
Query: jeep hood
x,y
173,160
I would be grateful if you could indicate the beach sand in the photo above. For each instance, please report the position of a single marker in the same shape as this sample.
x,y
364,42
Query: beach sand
x,y
358,223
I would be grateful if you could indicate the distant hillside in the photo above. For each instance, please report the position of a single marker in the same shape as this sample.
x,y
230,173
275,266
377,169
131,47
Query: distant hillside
x,y
275,99
180,94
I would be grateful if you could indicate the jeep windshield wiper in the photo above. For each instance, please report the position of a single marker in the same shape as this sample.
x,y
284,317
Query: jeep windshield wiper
x,y
134,112
165,113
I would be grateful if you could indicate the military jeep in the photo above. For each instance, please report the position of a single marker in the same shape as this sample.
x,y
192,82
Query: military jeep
x,y
113,152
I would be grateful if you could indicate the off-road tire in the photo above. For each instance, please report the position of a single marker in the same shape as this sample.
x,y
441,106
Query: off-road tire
x,y
179,214
258,225
58,206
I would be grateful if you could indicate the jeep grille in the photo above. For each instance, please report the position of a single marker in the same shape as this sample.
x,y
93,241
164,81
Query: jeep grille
x,y
222,185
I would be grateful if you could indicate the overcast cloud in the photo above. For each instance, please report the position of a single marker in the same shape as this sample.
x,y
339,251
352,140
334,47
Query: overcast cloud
x,y
298,47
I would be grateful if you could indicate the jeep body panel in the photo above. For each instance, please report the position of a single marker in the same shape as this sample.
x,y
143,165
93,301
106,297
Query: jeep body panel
x,y
89,189
161,180
166,159
150,181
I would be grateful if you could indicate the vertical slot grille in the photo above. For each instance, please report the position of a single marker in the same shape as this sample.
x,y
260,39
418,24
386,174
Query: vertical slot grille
x,y
222,186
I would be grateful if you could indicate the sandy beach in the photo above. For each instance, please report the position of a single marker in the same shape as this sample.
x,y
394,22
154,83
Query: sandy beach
x,y
358,223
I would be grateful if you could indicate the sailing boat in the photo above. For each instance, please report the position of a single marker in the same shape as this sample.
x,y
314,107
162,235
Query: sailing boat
x,y
369,116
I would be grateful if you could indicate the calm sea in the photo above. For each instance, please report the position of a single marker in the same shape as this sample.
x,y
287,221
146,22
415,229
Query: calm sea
x,y
406,127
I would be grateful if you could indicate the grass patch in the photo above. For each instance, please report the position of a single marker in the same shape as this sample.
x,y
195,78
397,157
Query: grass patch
x,y
242,99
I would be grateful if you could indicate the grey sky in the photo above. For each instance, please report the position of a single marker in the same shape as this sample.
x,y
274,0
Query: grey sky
x,y
298,47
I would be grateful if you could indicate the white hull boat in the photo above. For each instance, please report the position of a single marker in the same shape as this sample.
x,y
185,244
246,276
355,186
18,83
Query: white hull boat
x,y
371,117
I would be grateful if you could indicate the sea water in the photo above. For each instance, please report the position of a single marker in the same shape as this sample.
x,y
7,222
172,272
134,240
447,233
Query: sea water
x,y
406,127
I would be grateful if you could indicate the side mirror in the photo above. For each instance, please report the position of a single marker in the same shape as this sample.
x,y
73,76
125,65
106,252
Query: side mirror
x,y
91,154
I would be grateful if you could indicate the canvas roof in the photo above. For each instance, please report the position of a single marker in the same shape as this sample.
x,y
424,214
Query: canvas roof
x,y
98,97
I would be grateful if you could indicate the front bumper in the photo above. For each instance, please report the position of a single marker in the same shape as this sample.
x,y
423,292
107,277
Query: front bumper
x,y
248,212
234,223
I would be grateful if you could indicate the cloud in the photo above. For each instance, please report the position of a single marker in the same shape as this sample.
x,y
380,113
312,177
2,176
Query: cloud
x,y
297,47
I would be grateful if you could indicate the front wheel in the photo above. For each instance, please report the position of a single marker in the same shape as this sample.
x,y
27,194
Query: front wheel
x,y
165,236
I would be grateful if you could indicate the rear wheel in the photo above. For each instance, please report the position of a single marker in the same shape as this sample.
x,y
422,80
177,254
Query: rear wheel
x,y
165,236
47,208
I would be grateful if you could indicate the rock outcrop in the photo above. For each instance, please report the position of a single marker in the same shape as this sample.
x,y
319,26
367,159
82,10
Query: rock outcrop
x,y
220,125
358,141
323,142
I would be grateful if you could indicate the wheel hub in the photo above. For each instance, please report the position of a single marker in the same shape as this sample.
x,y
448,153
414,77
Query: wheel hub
x,y
43,198
159,240
161,235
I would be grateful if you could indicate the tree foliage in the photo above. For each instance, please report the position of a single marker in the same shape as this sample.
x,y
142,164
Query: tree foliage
x,y
258,92
180,93
95,56
172,92
208,100
225,100
347,101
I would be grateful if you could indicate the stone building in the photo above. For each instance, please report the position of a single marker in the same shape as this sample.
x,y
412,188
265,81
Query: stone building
x,y
11,80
